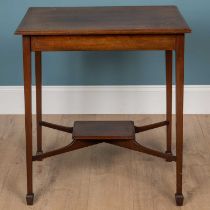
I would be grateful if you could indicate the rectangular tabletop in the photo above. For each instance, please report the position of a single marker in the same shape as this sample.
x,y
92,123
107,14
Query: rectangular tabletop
x,y
103,20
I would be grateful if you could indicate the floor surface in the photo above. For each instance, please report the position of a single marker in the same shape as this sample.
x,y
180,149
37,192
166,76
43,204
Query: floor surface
x,y
105,177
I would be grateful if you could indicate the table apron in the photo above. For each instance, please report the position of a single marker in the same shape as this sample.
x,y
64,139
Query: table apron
x,y
103,42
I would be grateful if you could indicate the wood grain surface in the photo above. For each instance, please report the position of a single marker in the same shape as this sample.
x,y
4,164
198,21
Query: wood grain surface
x,y
103,130
104,176
103,20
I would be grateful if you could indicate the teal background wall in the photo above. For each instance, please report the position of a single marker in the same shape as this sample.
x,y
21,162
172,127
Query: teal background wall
x,y
106,68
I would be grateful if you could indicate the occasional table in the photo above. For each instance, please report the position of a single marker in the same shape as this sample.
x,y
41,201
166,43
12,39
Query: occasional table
x,y
104,29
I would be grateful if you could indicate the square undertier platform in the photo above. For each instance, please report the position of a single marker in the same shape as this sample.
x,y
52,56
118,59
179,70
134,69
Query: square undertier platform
x,y
103,130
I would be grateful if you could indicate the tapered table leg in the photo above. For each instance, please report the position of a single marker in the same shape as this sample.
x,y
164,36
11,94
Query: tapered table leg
x,y
179,116
28,115
38,73
169,56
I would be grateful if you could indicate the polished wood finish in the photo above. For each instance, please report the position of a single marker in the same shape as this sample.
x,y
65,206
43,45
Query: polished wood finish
x,y
131,144
28,115
88,133
179,116
103,20
103,42
169,66
56,127
74,145
38,74
134,145
139,129
105,28
103,130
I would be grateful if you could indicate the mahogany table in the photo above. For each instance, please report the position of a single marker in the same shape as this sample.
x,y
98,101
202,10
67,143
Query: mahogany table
x,y
104,29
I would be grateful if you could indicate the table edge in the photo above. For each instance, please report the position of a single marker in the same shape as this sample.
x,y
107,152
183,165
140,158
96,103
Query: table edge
x,y
111,32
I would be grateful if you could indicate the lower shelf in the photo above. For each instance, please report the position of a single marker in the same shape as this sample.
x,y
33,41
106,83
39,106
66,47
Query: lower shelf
x,y
89,133
103,130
